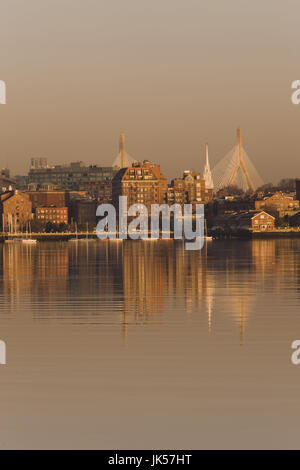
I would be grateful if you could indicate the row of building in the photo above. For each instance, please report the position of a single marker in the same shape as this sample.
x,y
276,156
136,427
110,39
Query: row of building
x,y
256,213
144,183
278,204
19,208
69,194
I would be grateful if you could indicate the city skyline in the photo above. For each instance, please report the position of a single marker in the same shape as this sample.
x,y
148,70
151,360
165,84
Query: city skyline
x,y
41,162
171,77
149,227
230,164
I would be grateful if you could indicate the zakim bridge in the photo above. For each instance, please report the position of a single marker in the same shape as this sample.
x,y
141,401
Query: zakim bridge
x,y
236,169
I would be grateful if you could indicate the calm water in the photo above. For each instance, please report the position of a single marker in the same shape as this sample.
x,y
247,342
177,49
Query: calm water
x,y
146,345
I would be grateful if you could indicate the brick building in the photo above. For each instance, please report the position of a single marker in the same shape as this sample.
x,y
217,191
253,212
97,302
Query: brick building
x,y
69,177
15,210
141,183
243,222
56,215
83,211
190,189
262,221
279,203
101,192
48,198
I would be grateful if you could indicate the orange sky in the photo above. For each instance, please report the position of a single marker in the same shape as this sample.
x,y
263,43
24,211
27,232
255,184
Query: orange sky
x,y
171,74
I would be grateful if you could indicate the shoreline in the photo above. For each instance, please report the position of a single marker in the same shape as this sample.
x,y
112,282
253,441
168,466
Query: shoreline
x,y
65,237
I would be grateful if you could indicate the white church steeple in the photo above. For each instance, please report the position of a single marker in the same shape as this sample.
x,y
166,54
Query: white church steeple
x,y
209,184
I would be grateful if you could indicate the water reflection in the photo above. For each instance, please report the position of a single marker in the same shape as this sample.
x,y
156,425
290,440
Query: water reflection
x,y
145,282
139,344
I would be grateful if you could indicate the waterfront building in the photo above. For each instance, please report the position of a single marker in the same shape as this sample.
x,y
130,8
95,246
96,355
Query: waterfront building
x,y
83,211
15,210
56,215
48,198
70,204
141,183
262,221
243,222
102,192
69,177
279,203
190,189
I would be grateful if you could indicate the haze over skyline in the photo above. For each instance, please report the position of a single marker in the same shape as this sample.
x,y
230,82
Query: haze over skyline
x,y
171,75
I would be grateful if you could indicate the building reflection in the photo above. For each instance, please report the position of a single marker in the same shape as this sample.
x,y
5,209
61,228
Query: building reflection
x,y
143,282
23,265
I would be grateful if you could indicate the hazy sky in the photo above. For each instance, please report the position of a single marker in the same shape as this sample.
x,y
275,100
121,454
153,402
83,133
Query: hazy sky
x,y
171,74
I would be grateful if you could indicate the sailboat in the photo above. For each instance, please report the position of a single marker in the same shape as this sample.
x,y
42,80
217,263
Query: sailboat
x,y
11,230
206,236
76,238
86,239
29,240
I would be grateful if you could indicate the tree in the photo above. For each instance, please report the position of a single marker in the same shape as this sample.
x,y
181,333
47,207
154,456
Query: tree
x,y
231,191
265,187
37,226
282,222
51,227
62,227
287,184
